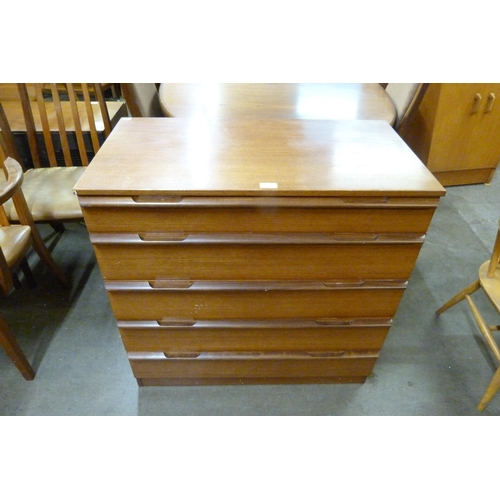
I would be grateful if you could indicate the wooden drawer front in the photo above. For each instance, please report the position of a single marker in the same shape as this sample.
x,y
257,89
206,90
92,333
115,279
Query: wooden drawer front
x,y
139,301
143,260
172,337
212,368
349,217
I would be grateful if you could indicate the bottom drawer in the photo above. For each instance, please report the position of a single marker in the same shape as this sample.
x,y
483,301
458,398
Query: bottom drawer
x,y
252,368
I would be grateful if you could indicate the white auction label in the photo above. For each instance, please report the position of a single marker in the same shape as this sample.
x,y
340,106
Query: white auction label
x,y
268,185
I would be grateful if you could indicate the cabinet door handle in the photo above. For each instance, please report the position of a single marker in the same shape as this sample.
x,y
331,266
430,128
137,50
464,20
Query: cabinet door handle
x,y
489,104
477,102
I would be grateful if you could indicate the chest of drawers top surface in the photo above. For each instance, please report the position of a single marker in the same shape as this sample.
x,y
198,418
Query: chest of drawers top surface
x,y
166,156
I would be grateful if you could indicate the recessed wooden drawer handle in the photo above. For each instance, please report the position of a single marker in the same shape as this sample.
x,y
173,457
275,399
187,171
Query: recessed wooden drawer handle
x,y
182,355
477,103
491,101
344,283
164,200
163,236
177,322
159,283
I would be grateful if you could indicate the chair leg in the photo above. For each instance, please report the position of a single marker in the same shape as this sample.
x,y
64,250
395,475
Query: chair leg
x,y
46,257
28,274
460,296
490,340
484,328
14,351
16,281
57,226
490,391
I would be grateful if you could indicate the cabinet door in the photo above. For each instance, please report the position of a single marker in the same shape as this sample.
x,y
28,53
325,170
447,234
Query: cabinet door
x,y
483,149
456,117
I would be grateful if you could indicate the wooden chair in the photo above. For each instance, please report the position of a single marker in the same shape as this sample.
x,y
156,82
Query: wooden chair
x,y
406,98
142,99
489,282
62,131
15,242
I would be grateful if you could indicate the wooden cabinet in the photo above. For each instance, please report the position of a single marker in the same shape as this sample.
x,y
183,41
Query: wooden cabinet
x,y
275,252
455,132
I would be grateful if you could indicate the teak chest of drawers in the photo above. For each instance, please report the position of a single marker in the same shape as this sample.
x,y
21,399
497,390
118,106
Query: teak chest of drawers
x,y
255,251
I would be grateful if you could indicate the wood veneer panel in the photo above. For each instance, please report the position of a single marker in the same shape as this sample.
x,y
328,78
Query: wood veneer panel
x,y
158,156
453,129
254,304
180,381
464,177
259,219
217,367
223,101
212,336
268,262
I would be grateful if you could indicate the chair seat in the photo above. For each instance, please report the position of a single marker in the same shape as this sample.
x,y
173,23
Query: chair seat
x,y
49,194
14,240
491,286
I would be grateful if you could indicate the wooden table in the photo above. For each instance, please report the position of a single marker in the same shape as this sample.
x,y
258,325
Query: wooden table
x,y
10,92
332,101
14,113
255,251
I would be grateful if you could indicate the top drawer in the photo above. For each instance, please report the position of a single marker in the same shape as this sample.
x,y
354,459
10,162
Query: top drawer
x,y
258,214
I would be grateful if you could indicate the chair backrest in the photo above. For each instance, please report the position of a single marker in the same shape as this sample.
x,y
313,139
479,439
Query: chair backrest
x,y
406,98
142,99
14,251
7,144
73,124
